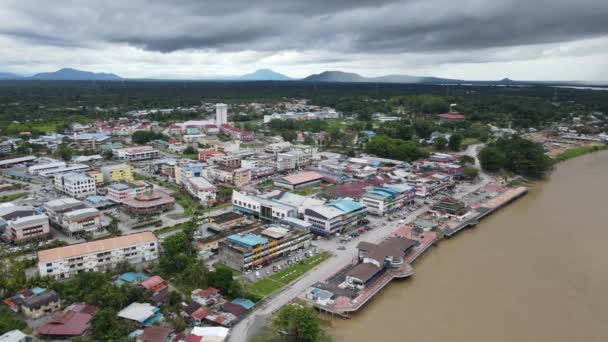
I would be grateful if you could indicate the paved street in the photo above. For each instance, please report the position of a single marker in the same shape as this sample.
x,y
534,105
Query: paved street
x,y
246,328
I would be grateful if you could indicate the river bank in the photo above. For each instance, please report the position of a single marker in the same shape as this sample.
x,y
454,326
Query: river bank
x,y
532,271
579,151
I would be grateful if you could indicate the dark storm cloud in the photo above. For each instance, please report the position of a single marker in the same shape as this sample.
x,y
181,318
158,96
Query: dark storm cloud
x,y
335,25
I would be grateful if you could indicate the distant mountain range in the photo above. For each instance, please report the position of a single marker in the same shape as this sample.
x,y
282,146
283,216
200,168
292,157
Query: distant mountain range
x,y
340,76
68,74
264,75
65,74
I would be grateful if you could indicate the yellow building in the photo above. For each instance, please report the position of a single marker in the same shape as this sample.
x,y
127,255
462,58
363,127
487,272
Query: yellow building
x,y
96,175
117,173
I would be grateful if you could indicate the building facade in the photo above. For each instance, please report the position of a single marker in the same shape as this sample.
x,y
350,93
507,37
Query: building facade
x,y
117,173
261,247
202,189
22,223
101,255
136,153
335,217
385,200
75,185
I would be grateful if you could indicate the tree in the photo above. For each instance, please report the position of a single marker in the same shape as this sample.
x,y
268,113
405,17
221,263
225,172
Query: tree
x,y
107,155
64,152
9,321
223,279
440,143
467,160
469,172
491,158
190,150
308,140
106,326
423,128
297,322
455,142
143,137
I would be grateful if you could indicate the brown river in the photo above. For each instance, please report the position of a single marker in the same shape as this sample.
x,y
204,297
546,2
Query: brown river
x,y
536,270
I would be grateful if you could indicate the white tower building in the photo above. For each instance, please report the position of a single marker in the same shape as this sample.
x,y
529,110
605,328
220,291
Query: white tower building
x,y
221,114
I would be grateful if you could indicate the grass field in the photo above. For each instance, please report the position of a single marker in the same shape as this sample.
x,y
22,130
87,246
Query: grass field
x,y
280,279
579,151
12,197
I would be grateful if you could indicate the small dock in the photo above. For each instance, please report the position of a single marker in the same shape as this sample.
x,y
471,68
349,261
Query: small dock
x,y
486,208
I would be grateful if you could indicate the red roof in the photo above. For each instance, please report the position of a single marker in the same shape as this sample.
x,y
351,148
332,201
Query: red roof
x,y
200,313
154,283
68,323
451,116
194,338
234,309
155,333
208,292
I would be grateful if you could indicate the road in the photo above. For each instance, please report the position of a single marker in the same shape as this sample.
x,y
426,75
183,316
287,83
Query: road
x,y
242,331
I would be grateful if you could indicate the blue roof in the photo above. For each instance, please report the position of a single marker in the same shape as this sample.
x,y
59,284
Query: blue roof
x,y
38,290
119,186
131,277
96,199
246,303
346,205
368,132
248,240
96,136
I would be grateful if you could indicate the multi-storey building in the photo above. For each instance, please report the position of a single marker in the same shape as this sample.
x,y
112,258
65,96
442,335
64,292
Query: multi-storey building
x,y
119,192
238,177
148,203
72,216
221,114
75,185
184,171
117,173
202,189
262,208
100,255
21,223
136,153
387,199
261,246
230,161
36,169
91,141
335,217
81,221
96,175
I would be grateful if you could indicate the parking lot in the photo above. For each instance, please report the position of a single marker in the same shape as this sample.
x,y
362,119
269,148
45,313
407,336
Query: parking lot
x,y
280,264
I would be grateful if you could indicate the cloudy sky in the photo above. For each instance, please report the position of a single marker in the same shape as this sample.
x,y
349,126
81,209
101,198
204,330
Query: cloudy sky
x,y
468,39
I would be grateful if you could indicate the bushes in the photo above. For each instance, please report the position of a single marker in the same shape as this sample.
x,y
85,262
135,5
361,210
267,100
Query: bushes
x,y
517,155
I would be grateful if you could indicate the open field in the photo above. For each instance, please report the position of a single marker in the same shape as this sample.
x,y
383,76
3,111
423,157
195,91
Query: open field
x,y
280,279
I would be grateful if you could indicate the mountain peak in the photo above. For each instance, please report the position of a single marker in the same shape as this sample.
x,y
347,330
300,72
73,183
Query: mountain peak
x,y
70,74
264,75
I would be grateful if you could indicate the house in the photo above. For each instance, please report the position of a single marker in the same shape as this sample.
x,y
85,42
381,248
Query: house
x,y
74,321
206,297
156,288
15,336
156,333
142,313
34,303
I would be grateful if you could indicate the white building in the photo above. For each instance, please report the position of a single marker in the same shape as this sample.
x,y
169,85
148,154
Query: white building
x,y
72,216
265,209
35,169
81,221
136,153
75,185
22,223
221,114
202,189
100,255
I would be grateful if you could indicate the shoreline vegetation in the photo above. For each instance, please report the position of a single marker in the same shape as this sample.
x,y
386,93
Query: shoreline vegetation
x,y
579,151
